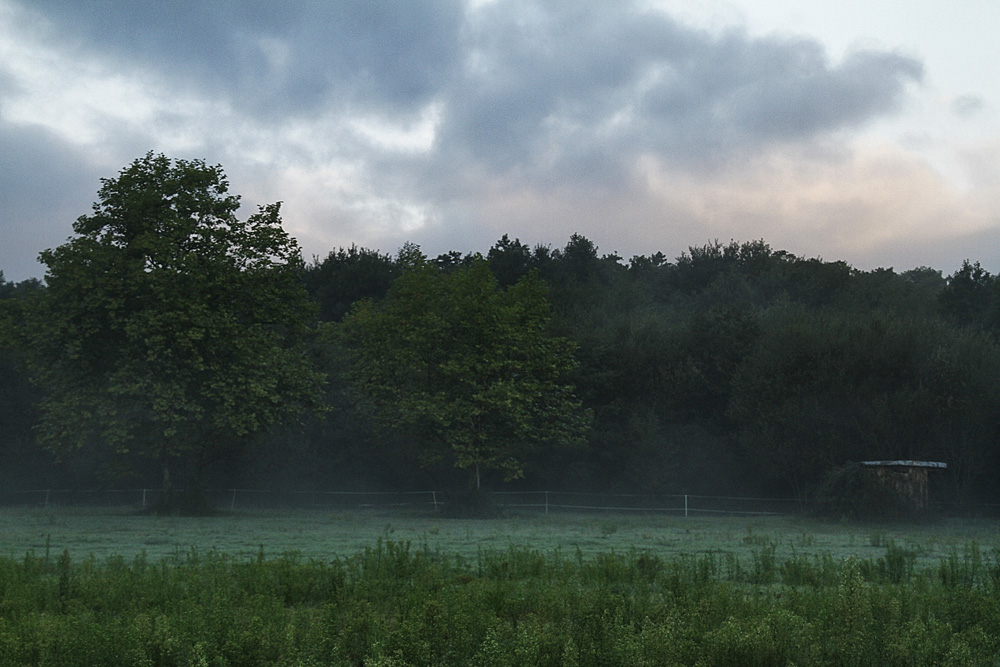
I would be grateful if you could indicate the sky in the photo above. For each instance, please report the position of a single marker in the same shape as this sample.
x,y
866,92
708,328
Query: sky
x,y
864,130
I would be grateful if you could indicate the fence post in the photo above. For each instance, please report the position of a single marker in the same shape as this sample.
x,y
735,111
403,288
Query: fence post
x,y
144,499
685,505
232,505
434,499
546,502
47,491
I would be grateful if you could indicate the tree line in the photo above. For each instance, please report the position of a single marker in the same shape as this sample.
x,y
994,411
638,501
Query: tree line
x,y
171,341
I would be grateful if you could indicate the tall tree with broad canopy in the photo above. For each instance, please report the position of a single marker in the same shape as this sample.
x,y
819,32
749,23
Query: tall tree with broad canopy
x,y
466,368
169,328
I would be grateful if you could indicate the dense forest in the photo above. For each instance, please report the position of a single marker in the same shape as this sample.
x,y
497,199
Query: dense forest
x,y
734,368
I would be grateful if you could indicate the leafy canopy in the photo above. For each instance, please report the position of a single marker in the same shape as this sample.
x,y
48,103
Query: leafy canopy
x,y
168,325
467,369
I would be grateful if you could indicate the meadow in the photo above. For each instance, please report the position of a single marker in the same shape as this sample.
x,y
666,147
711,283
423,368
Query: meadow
x,y
103,532
90,587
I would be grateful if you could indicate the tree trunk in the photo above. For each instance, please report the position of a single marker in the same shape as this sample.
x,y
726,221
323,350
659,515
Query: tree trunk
x,y
166,489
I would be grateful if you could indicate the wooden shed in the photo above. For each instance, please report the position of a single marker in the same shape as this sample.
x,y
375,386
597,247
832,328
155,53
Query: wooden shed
x,y
908,479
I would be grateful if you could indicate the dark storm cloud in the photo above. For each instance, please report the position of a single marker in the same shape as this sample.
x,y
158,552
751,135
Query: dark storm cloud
x,y
525,82
753,92
284,58
545,81
579,85
45,185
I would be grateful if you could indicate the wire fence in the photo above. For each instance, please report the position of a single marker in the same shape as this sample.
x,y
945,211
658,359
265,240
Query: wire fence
x,y
228,499
543,502
430,502
680,504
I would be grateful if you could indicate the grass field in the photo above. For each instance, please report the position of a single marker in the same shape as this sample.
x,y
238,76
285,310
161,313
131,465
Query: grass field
x,y
99,587
104,532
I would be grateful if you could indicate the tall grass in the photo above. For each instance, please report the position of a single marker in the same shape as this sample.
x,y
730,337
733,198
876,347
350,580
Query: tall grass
x,y
394,603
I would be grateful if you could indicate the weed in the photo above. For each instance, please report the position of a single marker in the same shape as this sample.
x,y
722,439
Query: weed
x,y
877,539
764,564
898,563
755,539
965,571
393,603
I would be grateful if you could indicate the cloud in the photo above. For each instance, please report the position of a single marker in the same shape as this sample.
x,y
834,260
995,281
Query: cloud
x,y
278,59
45,184
522,84
966,106
850,202
452,123
871,204
574,87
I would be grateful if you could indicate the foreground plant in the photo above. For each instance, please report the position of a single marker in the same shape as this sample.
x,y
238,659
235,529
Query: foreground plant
x,y
394,604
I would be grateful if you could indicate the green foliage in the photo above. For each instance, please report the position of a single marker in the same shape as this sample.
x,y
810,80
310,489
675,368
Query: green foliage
x,y
169,328
18,397
509,260
465,369
396,604
734,369
820,389
972,298
347,276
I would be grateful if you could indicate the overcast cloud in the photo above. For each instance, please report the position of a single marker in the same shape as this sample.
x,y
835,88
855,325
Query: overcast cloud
x,y
452,123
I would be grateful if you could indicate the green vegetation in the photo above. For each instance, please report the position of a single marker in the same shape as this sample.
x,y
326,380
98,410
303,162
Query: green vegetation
x,y
171,341
766,593
468,370
169,328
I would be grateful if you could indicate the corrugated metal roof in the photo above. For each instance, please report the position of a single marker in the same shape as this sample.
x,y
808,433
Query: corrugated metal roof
x,y
908,464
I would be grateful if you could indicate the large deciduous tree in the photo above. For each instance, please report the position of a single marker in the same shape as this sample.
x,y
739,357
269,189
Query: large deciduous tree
x,y
466,368
170,328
